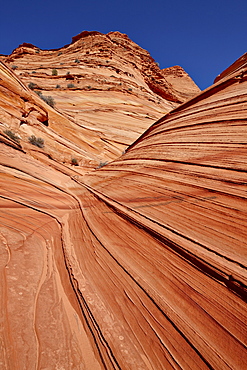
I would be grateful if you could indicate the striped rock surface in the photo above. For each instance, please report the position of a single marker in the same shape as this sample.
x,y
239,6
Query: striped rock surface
x,y
140,264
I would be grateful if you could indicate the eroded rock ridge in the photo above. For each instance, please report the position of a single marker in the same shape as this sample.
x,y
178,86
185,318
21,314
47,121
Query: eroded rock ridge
x,y
139,264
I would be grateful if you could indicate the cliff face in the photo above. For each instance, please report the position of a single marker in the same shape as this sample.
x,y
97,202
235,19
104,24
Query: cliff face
x,y
108,88
140,264
172,213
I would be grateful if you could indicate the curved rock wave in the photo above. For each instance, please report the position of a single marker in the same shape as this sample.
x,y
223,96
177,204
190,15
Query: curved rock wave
x,y
140,264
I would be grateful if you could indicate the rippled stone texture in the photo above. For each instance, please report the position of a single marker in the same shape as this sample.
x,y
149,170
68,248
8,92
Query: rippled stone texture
x,y
140,264
109,89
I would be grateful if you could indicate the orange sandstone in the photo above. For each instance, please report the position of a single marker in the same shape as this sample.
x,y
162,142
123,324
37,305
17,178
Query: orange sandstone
x,y
140,264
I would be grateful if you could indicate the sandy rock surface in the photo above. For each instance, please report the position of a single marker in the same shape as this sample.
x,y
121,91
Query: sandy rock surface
x,y
139,264
109,89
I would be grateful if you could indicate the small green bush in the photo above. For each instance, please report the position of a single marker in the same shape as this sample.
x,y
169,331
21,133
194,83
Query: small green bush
x,y
102,164
14,67
74,162
12,135
32,85
48,99
60,53
70,86
77,61
38,141
54,72
58,86
38,92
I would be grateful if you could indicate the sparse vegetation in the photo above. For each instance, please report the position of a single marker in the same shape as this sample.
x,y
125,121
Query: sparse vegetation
x,y
12,135
14,67
77,61
130,89
38,92
48,99
60,53
37,141
32,85
89,87
102,164
70,86
74,162
58,86
54,72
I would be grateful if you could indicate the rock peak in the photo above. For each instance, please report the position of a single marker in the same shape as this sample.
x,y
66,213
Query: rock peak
x,y
84,34
139,263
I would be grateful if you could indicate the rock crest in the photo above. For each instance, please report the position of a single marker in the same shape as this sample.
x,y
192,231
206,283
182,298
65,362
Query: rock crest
x,y
140,263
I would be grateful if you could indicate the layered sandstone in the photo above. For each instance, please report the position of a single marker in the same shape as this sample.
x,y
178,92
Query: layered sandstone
x,y
108,87
172,213
140,264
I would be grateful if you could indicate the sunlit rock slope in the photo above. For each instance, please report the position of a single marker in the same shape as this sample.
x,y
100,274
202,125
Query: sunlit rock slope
x,y
109,88
140,264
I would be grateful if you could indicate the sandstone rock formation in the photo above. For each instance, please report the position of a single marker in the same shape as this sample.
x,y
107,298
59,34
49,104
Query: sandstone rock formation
x,y
109,88
140,264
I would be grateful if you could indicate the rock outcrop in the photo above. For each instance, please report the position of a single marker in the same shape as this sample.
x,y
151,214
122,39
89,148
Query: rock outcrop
x,y
140,264
108,87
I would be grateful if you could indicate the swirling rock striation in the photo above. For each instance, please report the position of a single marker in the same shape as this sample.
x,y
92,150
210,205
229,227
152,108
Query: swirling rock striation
x,y
140,264
108,87
172,213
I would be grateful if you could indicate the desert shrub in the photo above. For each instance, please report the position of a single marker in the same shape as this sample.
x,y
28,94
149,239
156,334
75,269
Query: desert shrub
x,y
32,85
74,162
38,92
130,89
102,164
12,135
58,86
38,141
54,72
60,53
48,99
77,61
70,86
89,87
14,67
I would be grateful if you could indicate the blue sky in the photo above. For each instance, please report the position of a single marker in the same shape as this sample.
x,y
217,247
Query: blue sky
x,y
202,36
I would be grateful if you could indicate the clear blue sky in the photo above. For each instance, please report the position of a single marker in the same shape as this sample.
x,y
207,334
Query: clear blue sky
x,y
203,36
